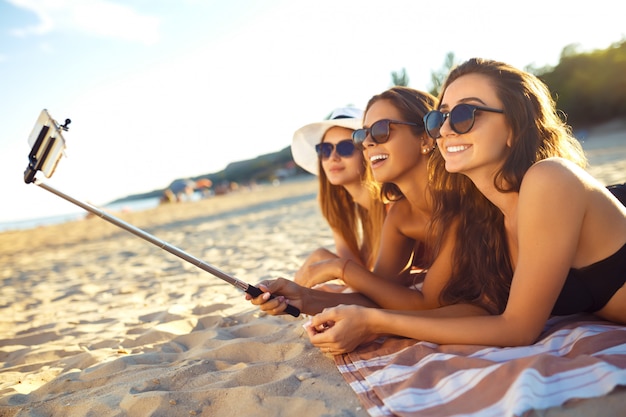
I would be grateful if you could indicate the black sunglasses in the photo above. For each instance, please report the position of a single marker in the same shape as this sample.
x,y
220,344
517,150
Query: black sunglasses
x,y
345,148
379,131
461,117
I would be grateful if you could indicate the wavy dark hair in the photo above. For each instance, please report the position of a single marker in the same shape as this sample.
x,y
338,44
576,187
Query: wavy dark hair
x,y
412,105
482,269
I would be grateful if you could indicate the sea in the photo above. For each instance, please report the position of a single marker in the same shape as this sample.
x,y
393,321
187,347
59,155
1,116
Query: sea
x,y
128,205
125,205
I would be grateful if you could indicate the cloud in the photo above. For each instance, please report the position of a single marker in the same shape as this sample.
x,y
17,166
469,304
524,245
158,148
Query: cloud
x,y
45,24
99,18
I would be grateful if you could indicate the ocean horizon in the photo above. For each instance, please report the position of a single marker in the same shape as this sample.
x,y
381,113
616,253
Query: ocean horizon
x,y
128,205
135,205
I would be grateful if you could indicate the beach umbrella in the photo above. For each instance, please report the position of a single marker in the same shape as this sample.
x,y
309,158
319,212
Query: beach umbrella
x,y
182,186
203,183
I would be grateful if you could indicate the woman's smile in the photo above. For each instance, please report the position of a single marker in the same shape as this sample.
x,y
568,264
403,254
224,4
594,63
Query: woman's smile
x,y
378,159
457,148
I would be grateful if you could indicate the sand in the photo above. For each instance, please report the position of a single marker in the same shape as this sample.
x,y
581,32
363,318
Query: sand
x,y
97,322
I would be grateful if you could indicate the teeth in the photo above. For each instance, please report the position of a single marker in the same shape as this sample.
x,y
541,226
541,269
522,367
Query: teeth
x,y
379,157
458,148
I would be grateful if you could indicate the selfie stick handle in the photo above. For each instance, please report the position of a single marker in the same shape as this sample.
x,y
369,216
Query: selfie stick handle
x,y
250,289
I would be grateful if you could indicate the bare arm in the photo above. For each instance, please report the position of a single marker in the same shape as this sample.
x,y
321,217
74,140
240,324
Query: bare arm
x,y
343,328
309,276
343,250
550,211
303,275
309,301
396,248
384,284
393,294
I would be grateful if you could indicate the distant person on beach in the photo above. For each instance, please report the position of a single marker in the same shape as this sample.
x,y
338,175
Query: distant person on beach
x,y
398,149
350,204
168,197
554,245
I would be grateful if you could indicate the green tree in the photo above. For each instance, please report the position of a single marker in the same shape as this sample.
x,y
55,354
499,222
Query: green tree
x,y
400,78
438,77
590,87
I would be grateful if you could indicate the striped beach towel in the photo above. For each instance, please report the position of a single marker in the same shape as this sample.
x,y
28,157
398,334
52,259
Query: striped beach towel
x,y
576,356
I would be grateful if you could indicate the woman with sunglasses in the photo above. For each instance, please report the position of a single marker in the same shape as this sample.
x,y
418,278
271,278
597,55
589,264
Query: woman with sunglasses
x,y
538,235
352,207
398,150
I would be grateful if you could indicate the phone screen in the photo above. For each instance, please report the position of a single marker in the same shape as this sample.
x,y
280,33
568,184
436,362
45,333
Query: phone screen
x,y
47,145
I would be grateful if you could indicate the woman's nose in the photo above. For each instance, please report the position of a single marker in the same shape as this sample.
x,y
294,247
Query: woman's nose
x,y
368,142
445,128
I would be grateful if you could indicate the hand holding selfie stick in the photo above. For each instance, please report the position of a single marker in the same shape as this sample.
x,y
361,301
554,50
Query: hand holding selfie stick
x,y
47,149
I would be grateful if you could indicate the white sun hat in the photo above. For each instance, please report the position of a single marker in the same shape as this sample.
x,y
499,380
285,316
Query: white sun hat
x,y
305,138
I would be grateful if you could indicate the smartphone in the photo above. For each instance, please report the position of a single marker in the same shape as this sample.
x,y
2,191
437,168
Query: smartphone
x,y
47,147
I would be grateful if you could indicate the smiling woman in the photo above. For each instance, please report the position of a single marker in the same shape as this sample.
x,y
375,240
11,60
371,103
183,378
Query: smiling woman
x,y
559,229
129,64
398,151
537,235
352,207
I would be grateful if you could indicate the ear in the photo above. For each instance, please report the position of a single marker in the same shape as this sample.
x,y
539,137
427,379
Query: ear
x,y
428,145
509,139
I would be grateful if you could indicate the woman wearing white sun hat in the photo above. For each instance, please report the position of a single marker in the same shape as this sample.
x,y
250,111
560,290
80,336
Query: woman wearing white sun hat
x,y
349,202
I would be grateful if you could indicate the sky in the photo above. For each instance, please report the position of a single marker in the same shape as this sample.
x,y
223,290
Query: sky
x,y
165,89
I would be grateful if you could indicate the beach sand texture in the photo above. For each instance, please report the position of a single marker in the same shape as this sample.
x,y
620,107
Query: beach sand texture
x,y
97,322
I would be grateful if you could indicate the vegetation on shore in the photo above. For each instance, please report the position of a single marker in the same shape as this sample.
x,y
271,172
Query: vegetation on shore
x,y
589,87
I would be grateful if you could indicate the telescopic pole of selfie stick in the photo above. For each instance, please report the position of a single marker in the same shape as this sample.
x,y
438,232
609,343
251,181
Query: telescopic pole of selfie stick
x,y
44,148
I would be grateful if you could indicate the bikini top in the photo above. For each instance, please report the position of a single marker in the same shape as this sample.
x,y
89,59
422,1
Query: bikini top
x,y
588,289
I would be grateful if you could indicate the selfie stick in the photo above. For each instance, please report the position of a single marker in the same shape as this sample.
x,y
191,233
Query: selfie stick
x,y
44,147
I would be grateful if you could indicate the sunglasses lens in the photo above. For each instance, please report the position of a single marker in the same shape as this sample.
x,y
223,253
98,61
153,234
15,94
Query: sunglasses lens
x,y
433,121
380,131
359,136
345,148
462,118
324,150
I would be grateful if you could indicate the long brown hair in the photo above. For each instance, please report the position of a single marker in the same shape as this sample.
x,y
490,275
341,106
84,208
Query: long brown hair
x,y
412,106
482,269
360,227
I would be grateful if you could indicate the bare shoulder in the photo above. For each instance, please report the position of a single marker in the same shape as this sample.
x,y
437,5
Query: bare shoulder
x,y
554,174
554,166
556,183
399,209
402,219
